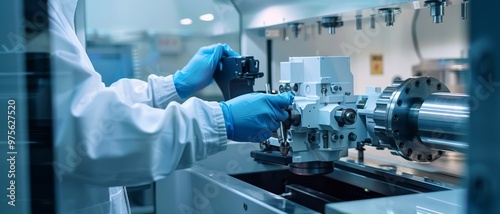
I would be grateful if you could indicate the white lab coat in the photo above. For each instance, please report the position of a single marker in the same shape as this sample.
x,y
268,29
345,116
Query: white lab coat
x,y
130,133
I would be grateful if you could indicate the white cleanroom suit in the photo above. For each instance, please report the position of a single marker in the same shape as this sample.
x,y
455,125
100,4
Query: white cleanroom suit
x,y
130,133
134,132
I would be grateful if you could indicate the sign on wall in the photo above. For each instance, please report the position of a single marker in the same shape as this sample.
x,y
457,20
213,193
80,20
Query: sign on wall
x,y
168,44
377,65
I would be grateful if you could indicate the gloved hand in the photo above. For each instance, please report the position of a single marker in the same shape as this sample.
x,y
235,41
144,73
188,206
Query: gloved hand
x,y
199,71
253,117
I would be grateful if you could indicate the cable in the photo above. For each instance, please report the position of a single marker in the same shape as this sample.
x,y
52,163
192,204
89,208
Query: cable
x,y
414,34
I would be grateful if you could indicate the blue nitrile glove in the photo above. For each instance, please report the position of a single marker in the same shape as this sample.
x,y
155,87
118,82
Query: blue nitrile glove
x,y
253,117
199,71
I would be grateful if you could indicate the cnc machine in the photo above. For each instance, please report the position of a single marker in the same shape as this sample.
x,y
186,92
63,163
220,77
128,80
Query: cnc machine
x,y
396,148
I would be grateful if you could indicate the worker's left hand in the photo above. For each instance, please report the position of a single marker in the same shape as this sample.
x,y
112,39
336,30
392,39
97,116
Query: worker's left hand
x,y
198,73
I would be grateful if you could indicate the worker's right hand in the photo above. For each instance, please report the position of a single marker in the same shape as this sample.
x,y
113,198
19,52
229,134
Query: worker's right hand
x,y
253,117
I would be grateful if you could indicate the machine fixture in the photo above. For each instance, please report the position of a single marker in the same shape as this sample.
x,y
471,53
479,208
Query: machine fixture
x,y
359,22
236,75
331,23
372,21
437,9
417,118
464,9
319,27
389,15
296,28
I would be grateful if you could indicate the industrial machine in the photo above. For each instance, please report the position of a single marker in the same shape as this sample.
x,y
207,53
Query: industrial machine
x,y
409,147
308,162
417,118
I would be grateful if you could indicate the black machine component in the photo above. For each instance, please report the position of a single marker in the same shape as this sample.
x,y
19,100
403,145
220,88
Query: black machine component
x,y
350,182
331,23
236,76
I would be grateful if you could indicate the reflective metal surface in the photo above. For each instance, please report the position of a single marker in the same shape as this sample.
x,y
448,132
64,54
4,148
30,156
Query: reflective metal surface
x,y
312,168
394,113
448,170
437,202
208,187
443,121
349,182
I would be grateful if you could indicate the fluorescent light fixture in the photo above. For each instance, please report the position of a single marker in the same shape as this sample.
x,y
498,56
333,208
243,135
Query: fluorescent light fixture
x,y
186,21
207,17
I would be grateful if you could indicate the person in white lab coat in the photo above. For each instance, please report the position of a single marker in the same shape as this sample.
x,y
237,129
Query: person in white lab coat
x,y
135,132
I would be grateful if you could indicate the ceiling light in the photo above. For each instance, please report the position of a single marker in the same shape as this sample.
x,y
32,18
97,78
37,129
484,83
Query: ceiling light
x,y
207,17
186,21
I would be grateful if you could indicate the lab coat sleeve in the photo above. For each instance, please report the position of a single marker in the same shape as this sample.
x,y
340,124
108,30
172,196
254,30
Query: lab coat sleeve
x,y
157,92
132,143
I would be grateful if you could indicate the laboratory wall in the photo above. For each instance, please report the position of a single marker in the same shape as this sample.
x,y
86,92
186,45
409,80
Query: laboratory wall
x,y
446,40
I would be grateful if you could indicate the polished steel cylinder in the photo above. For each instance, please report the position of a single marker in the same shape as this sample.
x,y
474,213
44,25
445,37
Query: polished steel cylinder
x,y
443,121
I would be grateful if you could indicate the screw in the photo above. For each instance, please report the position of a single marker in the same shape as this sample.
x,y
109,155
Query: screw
x,y
352,136
372,21
334,88
295,87
334,137
245,207
350,118
401,144
359,22
325,140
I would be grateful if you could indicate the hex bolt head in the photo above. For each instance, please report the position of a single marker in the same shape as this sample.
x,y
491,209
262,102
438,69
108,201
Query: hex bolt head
x,y
352,136
281,89
334,88
334,137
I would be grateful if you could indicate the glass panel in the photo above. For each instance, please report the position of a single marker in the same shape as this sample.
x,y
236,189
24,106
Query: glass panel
x,y
140,38
137,39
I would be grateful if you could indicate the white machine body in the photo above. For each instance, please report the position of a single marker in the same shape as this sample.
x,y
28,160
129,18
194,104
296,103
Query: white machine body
x,y
323,87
